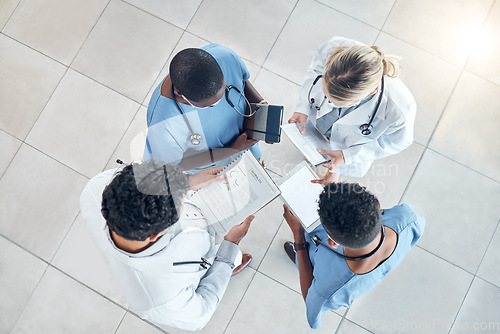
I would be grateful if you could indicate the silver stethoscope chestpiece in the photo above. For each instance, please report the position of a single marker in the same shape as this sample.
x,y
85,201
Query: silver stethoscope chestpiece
x,y
195,139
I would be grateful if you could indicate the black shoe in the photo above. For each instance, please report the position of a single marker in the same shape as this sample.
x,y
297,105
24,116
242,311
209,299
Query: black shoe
x,y
289,250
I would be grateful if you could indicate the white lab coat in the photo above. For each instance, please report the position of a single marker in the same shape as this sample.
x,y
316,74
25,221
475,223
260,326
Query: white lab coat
x,y
392,126
182,296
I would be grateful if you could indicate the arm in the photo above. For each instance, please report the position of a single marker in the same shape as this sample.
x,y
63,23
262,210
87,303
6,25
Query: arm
x,y
305,267
192,308
202,158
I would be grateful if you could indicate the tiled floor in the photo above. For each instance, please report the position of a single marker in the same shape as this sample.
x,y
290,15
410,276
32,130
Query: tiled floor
x,y
76,75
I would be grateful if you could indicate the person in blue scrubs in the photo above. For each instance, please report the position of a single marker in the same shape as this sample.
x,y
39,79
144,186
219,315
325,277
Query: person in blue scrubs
x,y
195,116
358,245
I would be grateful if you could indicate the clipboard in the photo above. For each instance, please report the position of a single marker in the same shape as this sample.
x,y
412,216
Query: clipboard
x,y
301,195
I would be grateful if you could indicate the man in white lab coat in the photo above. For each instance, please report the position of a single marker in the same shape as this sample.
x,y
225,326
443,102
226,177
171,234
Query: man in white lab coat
x,y
159,246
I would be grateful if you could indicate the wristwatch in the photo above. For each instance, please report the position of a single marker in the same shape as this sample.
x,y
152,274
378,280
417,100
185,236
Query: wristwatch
x,y
301,246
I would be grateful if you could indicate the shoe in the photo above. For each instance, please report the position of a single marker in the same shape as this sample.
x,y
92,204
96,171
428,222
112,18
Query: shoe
x,y
245,261
289,250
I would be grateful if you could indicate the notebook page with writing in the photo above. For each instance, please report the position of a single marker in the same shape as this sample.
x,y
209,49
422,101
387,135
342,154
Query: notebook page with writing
x,y
246,188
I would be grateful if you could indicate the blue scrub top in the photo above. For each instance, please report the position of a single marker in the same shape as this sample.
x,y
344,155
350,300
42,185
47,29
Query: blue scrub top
x,y
168,133
335,285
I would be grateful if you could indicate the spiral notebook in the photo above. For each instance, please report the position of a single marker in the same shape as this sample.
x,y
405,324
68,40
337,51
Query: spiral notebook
x,y
246,189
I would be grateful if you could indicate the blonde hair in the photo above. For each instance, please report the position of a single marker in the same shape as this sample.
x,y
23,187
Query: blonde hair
x,y
352,73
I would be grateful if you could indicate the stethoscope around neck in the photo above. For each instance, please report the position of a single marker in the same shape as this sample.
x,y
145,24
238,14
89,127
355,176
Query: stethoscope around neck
x,y
196,138
317,241
366,129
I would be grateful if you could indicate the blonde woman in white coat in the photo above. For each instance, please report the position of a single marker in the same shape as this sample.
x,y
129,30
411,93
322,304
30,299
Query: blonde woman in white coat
x,y
352,94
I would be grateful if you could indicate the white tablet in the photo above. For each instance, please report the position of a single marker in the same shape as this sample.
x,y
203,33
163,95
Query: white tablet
x,y
301,195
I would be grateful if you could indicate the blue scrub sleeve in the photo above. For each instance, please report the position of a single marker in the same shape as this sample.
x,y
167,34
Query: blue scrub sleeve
x,y
256,150
162,146
314,306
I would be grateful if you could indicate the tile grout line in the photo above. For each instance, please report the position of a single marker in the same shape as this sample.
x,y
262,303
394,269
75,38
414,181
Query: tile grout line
x,y
348,15
184,30
385,21
279,34
274,237
451,263
256,271
121,138
62,272
474,278
11,160
241,299
120,323
88,34
10,16
463,165
65,235
56,160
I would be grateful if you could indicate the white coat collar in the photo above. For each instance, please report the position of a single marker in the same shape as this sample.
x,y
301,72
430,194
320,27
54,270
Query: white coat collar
x,y
364,113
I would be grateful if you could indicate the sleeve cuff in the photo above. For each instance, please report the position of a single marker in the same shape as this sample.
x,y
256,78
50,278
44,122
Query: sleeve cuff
x,y
227,252
347,157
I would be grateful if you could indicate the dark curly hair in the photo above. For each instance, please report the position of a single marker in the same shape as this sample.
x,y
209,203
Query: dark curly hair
x,y
144,199
196,74
350,214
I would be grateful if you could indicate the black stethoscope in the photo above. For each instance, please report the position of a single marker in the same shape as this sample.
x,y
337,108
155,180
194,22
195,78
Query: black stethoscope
x,y
366,129
317,241
196,138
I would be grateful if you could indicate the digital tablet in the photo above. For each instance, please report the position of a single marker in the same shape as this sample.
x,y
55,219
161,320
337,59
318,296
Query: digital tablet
x,y
301,195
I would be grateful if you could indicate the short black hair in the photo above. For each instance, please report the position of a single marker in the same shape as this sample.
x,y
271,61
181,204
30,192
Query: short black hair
x,y
144,199
350,214
196,74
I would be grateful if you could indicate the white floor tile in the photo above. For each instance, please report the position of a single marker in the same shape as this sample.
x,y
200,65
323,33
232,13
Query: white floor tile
x,y
127,49
269,307
248,27
448,195
236,288
310,25
131,146
38,201
85,117
176,12
429,78
446,28
480,312
133,325
489,269
387,178
20,273
486,49
422,295
370,12
21,101
8,148
60,305
7,7
79,257
56,28
468,129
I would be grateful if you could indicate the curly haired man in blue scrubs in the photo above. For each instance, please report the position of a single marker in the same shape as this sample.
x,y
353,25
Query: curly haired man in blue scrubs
x,y
353,249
